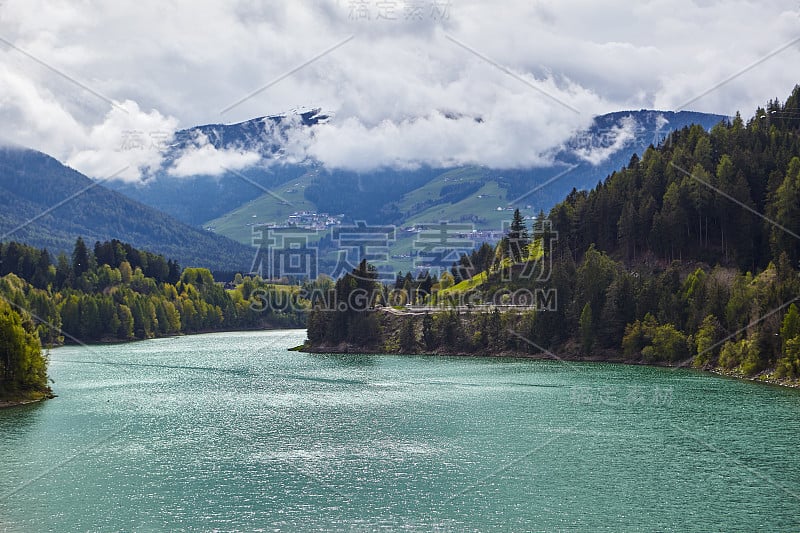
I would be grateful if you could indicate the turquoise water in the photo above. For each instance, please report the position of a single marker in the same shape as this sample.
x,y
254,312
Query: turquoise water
x,y
232,432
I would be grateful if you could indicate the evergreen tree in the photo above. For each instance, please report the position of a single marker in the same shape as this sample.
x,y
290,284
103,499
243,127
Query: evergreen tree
x,y
587,329
785,210
63,277
42,275
80,258
518,238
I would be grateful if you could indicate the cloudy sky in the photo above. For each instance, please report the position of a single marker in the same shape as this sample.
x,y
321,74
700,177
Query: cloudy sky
x,y
406,80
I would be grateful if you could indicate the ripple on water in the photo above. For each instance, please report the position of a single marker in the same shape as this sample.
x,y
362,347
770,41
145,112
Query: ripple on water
x,y
232,432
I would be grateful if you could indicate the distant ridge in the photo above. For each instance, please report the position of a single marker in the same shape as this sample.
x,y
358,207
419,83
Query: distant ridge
x,y
64,204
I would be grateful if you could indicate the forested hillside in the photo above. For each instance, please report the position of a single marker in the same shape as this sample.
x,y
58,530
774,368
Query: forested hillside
x,y
114,292
688,255
727,196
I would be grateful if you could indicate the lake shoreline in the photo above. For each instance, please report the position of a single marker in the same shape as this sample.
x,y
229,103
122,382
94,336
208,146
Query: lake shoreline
x,y
347,348
9,403
231,415
110,341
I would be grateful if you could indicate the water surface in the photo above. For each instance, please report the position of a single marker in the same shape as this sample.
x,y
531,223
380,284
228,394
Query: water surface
x,y
232,432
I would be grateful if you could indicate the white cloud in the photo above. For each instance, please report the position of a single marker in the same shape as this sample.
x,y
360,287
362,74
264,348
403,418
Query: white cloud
x,y
186,60
33,116
661,121
203,159
513,132
128,144
607,143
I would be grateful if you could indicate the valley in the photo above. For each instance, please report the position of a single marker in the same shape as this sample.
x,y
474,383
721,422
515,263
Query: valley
x,y
399,266
478,200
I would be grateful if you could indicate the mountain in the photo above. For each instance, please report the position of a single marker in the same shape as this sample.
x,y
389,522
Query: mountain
x,y
46,204
687,255
376,196
274,187
199,198
265,134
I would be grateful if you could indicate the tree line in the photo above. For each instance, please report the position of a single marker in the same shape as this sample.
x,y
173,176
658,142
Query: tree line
x,y
114,292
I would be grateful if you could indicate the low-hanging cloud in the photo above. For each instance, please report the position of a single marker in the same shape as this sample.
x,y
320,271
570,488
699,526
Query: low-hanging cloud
x,y
126,143
604,144
406,85
201,158
129,144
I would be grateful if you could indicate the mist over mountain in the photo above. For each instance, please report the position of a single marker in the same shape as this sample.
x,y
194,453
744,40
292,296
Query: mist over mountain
x,y
265,178
213,169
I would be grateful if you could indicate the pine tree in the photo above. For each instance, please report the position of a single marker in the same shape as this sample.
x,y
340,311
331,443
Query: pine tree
x,y
587,329
42,276
80,258
518,238
785,210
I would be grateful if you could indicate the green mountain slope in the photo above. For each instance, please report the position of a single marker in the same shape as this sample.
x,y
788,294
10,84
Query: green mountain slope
x,y
486,209
431,193
469,196
269,208
482,204
46,204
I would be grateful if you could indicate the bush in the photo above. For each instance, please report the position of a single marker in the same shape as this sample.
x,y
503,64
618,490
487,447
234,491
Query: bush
x,y
656,343
734,355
